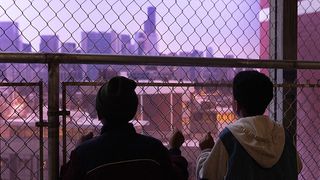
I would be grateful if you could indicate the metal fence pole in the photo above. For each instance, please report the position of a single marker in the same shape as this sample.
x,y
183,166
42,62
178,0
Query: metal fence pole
x,y
53,120
283,46
290,15
41,127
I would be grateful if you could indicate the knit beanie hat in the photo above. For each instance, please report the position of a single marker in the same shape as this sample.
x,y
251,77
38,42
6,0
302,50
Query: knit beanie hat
x,y
117,101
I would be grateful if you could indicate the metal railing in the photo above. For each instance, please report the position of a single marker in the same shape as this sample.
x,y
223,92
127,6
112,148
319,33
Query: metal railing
x,y
191,101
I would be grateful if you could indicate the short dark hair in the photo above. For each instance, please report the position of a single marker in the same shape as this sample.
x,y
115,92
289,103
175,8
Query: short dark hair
x,y
117,101
253,91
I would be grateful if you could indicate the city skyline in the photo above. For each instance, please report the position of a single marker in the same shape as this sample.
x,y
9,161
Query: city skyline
x,y
184,26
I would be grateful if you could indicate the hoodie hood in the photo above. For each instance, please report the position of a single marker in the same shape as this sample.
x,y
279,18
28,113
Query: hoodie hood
x,y
261,137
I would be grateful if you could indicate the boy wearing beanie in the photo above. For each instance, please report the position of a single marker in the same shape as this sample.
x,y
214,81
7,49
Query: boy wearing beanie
x,y
116,105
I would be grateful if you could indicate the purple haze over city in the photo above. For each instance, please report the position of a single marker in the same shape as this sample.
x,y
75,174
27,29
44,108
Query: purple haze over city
x,y
229,27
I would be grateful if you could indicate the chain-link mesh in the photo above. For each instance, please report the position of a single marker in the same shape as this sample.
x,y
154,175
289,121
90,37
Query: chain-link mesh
x,y
21,140
163,107
193,28
193,98
308,98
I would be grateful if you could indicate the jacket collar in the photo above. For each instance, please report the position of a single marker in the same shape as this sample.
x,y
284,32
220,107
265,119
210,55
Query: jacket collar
x,y
124,128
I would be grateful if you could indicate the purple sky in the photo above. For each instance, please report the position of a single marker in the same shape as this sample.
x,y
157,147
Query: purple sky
x,y
230,27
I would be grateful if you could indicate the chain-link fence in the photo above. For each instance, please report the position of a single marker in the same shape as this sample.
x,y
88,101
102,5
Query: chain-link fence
x,y
22,144
195,107
192,96
181,28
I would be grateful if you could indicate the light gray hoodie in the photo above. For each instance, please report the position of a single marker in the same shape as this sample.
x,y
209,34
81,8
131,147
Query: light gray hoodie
x,y
261,137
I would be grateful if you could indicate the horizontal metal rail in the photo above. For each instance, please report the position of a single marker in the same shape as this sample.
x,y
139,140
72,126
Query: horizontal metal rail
x,y
209,84
20,84
153,60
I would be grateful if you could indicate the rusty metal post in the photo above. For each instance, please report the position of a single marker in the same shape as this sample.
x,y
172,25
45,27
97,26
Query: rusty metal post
x,y
64,124
283,46
53,118
41,127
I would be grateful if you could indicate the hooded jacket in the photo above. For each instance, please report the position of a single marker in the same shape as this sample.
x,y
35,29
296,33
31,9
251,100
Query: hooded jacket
x,y
248,148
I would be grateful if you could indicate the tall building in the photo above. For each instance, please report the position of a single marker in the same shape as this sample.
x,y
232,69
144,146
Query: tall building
x,y
9,37
150,23
209,52
193,72
70,72
25,69
68,47
140,42
9,42
95,43
151,43
307,98
26,47
115,42
49,43
125,41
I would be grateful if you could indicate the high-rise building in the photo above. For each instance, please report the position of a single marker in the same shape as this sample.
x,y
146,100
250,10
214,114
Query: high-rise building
x,y
72,72
193,72
150,23
95,43
9,42
125,41
9,37
49,43
140,42
115,42
26,47
25,69
151,43
209,52
68,47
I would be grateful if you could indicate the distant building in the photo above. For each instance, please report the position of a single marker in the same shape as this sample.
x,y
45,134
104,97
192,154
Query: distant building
x,y
95,43
9,37
68,47
115,42
150,23
140,43
125,44
10,42
49,44
151,43
26,47
193,73
71,72
209,52
25,69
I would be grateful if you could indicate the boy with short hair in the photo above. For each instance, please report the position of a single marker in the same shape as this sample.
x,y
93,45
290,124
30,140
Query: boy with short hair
x,y
253,147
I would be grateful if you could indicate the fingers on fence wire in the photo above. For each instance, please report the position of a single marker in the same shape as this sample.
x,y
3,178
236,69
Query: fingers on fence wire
x,y
207,142
177,139
85,137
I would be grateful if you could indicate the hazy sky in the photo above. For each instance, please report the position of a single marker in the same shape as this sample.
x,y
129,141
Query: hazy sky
x,y
230,27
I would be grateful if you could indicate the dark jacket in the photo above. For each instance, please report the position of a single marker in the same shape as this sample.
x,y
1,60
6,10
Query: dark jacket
x,y
242,166
114,145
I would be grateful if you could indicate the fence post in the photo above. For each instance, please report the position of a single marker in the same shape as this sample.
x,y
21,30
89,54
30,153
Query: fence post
x,y
283,46
53,118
